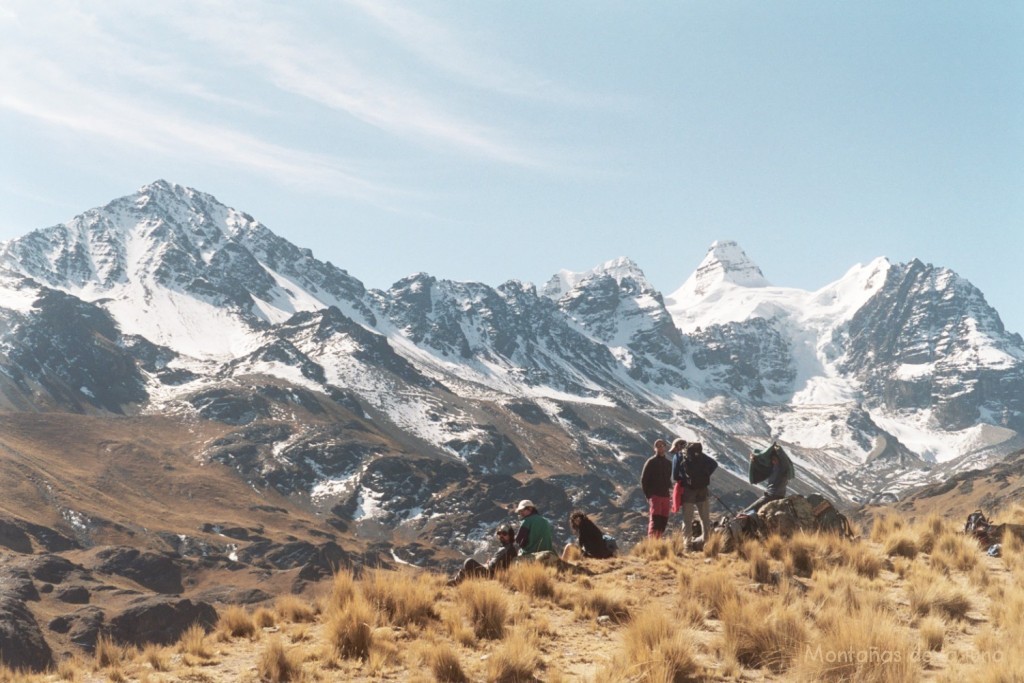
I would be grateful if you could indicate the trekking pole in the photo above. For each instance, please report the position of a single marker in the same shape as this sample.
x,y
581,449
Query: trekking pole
x,y
722,503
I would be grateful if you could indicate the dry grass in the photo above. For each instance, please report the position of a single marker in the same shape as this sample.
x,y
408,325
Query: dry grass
x,y
901,544
759,568
157,657
108,653
403,597
293,609
932,593
445,664
516,660
762,633
235,622
349,629
193,642
277,665
933,633
868,646
486,606
531,578
653,649
264,618
713,589
654,549
605,602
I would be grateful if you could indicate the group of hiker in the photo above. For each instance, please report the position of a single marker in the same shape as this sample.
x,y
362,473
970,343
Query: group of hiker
x,y
680,483
675,484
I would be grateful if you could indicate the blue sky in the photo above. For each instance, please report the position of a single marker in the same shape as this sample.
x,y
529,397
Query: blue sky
x,y
495,140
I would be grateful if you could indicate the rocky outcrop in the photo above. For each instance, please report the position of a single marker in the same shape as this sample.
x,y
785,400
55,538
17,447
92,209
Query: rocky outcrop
x,y
22,645
160,620
155,571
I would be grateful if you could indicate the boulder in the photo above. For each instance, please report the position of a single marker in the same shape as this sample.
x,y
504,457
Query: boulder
x,y
156,571
53,568
22,645
16,583
76,595
82,626
160,620
14,538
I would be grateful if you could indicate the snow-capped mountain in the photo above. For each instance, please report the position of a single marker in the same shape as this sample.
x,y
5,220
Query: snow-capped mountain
x,y
438,400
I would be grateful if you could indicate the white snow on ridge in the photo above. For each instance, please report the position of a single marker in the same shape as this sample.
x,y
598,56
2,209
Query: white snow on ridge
x,y
937,445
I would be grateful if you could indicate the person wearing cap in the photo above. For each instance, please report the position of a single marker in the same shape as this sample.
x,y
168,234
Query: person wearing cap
x,y
656,482
534,531
499,561
697,468
678,451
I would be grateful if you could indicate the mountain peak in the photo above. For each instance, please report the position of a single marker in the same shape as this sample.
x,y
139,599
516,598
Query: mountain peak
x,y
725,263
619,269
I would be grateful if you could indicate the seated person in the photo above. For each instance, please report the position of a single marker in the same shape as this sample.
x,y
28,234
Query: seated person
x,y
500,561
591,541
534,532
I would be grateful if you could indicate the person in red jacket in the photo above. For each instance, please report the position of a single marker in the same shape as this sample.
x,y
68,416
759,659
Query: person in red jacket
x,y
656,483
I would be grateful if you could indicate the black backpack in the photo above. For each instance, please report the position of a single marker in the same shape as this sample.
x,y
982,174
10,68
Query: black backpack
x,y
979,526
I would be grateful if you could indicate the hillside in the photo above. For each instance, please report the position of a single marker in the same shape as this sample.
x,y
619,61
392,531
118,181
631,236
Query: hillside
x,y
904,603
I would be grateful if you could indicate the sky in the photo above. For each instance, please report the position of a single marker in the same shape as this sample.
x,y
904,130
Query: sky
x,y
488,141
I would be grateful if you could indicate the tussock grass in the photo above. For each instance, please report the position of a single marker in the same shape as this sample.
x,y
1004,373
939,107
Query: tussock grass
x,y
932,593
886,525
277,665
531,578
235,622
653,649
863,560
901,544
403,597
516,660
157,657
293,609
445,665
108,653
798,558
759,568
762,633
264,618
654,549
954,552
486,606
713,545
933,633
867,646
193,642
609,602
343,587
713,589
349,629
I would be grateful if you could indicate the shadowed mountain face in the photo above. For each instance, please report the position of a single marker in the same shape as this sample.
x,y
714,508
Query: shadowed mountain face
x,y
416,417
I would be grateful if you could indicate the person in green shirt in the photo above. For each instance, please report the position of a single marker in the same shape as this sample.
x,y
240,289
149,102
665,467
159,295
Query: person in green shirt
x,y
534,532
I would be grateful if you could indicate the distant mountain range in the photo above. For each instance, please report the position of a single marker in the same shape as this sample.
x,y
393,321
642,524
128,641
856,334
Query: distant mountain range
x,y
426,410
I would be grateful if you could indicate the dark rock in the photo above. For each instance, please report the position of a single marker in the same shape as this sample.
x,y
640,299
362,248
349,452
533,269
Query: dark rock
x,y
160,620
16,582
76,595
82,626
53,568
157,572
22,645
14,537
233,595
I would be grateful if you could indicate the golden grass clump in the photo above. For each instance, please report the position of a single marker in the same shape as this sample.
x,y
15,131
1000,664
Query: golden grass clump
x,y
759,567
713,589
235,622
293,609
862,560
933,633
530,578
69,668
349,629
193,642
932,593
955,552
760,633
901,544
277,665
403,597
714,544
108,653
608,602
486,606
929,532
653,549
653,649
516,660
264,618
884,526
799,554
157,657
445,665
867,646
343,587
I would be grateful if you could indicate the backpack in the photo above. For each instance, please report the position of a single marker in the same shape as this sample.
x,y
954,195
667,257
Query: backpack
x,y
796,513
827,518
979,527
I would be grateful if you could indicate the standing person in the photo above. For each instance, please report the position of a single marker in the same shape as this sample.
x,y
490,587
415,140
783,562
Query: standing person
x,y
778,477
535,531
678,452
499,561
697,468
656,481
591,540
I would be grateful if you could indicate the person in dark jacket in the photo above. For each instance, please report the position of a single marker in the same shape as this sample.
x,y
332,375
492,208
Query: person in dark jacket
x,y
697,468
499,561
775,485
589,538
656,482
